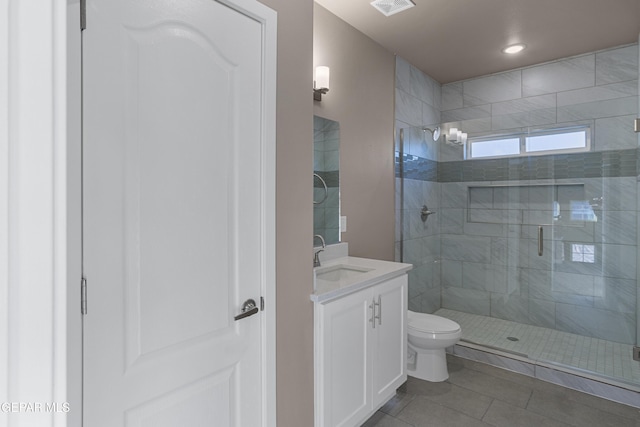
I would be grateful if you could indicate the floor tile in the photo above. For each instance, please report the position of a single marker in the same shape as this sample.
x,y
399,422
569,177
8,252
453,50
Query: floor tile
x,y
501,389
422,412
452,396
380,419
501,414
573,413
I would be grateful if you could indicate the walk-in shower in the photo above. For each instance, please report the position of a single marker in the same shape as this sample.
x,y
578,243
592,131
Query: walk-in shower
x,y
533,247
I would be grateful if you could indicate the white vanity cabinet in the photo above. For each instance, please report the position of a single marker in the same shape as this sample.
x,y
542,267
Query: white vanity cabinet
x,y
360,343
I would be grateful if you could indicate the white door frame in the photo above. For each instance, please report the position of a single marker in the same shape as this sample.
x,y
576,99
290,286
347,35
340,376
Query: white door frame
x,y
40,339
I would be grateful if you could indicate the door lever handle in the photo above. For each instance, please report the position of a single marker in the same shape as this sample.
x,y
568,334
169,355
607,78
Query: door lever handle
x,y
249,308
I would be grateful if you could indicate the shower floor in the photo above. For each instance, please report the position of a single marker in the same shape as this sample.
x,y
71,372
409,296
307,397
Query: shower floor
x,y
606,359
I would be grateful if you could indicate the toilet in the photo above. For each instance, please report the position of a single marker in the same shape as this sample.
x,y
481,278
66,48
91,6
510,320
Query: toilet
x,y
428,337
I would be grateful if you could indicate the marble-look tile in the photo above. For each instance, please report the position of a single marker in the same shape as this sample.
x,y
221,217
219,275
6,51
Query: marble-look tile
x,y
617,65
598,109
611,260
618,227
508,251
452,96
598,93
462,248
496,216
451,273
485,229
451,221
615,294
430,115
597,323
540,284
408,108
484,277
566,74
466,300
511,197
619,193
422,86
403,75
331,160
450,153
467,113
573,284
480,197
475,127
614,133
542,313
524,105
540,117
430,302
494,88
453,195
510,307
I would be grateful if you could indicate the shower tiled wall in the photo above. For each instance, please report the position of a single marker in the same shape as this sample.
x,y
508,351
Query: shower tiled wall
x,y
491,266
417,106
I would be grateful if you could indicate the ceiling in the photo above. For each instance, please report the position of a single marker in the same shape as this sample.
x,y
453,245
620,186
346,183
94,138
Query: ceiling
x,y
453,40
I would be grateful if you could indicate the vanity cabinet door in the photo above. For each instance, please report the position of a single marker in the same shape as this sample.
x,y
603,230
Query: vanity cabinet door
x,y
345,368
390,343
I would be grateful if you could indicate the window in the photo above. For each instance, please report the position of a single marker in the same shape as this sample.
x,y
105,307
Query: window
x,y
549,141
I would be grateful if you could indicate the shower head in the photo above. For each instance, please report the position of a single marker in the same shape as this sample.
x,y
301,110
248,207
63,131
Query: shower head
x,y
434,132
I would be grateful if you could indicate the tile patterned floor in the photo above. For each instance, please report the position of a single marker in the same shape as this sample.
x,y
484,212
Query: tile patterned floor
x,y
477,394
608,359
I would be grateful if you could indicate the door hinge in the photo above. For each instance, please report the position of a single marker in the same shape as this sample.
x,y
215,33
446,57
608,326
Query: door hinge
x,y
636,125
261,303
83,15
83,296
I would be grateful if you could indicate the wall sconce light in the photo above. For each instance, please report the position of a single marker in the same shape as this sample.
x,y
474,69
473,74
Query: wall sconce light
x,y
321,82
456,137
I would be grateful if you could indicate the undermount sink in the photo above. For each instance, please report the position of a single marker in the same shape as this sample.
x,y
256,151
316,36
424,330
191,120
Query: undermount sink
x,y
337,273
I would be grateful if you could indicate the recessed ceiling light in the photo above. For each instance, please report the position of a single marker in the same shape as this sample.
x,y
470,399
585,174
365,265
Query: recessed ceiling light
x,y
514,48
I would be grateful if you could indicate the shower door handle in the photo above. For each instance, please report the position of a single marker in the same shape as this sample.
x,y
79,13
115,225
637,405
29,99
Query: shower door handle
x,y
540,240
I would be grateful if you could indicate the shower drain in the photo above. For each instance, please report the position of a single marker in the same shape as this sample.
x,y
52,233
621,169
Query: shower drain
x,y
513,339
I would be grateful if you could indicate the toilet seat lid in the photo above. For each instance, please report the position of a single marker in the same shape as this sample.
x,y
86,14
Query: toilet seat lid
x,y
431,323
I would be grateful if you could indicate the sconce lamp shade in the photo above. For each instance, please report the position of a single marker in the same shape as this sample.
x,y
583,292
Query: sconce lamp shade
x,y
321,82
322,77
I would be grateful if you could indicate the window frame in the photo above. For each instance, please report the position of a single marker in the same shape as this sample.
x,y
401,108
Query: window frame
x,y
522,136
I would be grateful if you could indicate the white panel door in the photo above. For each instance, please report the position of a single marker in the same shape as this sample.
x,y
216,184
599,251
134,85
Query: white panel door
x,y
173,203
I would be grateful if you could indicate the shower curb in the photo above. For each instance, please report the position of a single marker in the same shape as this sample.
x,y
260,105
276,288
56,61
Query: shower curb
x,y
625,394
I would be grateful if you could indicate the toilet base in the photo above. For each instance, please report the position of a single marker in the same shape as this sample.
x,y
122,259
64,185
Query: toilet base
x,y
430,365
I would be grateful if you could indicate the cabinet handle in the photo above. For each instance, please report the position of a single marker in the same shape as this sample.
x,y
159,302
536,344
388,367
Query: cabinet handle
x,y
373,312
379,316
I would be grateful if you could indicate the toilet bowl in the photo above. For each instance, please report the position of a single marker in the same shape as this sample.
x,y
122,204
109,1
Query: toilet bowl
x,y
428,336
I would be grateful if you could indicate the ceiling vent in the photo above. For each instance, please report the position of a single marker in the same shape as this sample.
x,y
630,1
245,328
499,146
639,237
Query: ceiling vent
x,y
390,7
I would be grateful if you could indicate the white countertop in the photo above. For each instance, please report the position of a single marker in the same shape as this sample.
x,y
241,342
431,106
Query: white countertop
x,y
377,271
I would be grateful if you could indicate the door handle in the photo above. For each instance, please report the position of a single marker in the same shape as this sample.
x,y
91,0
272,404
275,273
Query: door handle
x,y
379,304
249,308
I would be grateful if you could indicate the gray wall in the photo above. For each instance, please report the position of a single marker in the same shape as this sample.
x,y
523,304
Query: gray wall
x,y
361,100
488,244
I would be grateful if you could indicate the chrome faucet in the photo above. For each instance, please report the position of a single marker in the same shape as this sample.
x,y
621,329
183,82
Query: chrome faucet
x,y
316,259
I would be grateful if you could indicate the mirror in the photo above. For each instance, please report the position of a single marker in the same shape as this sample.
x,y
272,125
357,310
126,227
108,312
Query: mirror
x,y
326,179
